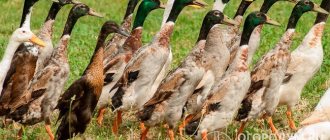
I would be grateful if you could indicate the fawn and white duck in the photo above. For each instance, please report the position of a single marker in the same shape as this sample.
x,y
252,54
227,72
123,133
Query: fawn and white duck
x,y
309,53
115,68
266,77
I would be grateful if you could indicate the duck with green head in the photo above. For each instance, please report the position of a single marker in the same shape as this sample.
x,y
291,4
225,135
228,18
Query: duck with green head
x,y
147,68
167,103
226,96
113,46
115,68
309,53
268,74
38,101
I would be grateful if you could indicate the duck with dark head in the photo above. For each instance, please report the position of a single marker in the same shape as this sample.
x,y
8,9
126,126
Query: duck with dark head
x,y
308,53
78,102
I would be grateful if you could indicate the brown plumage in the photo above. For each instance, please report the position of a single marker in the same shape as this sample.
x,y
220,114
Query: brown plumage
x,y
26,64
79,101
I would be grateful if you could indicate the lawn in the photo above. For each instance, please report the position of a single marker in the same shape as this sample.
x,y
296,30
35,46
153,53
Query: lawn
x,y
83,42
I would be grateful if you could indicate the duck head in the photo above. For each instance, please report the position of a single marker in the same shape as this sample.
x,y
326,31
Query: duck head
x,y
112,27
22,35
269,3
78,11
144,9
253,20
302,7
212,18
178,6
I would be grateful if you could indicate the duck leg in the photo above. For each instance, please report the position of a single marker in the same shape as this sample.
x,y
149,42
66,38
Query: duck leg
x,y
290,119
273,128
186,120
240,130
48,129
170,133
144,131
20,133
100,115
117,123
204,135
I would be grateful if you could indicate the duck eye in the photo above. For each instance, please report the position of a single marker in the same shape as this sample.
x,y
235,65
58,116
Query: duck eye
x,y
306,2
258,15
23,32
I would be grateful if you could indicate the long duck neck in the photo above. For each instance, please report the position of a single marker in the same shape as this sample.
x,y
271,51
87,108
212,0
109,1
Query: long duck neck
x,y
61,50
246,34
267,5
130,8
47,29
127,21
27,11
167,30
97,58
320,16
242,8
204,31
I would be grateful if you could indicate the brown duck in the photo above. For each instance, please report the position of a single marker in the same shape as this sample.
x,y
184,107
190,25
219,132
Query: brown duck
x,y
77,104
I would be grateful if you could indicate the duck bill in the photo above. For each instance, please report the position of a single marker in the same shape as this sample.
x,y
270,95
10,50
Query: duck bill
x,y
162,6
92,12
318,9
198,4
229,21
123,32
35,40
272,22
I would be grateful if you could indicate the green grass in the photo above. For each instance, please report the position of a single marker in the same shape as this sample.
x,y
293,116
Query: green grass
x,y
186,31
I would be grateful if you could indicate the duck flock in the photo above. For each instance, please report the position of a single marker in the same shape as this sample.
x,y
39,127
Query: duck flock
x,y
211,88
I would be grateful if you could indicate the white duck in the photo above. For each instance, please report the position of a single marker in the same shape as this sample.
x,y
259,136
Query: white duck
x,y
18,37
309,53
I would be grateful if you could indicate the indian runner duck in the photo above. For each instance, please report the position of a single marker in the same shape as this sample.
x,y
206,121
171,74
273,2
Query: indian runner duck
x,y
266,77
167,103
38,102
115,68
77,104
227,95
148,67
309,53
